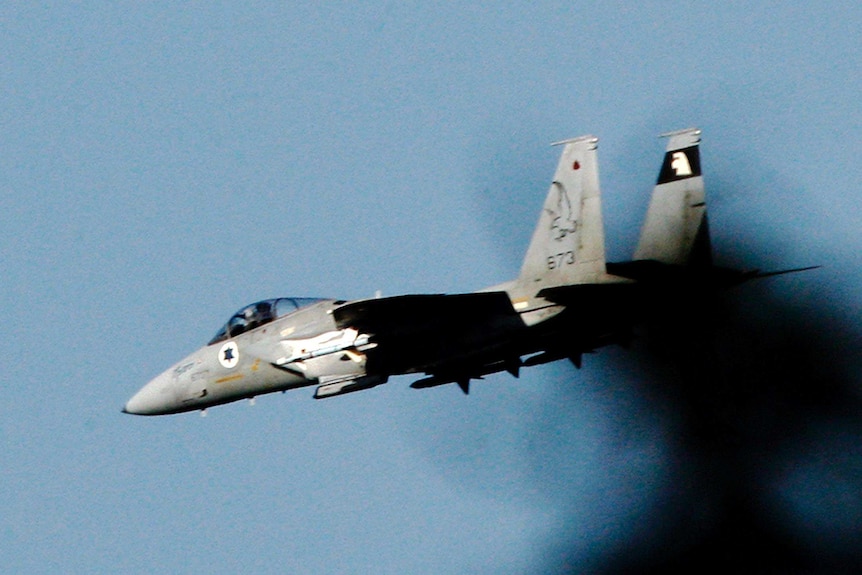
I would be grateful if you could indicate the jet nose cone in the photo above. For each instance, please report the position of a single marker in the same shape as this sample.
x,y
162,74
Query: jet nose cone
x,y
153,399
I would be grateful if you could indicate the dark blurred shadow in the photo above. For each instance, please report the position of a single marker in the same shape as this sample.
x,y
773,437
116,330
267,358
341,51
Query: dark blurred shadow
x,y
751,374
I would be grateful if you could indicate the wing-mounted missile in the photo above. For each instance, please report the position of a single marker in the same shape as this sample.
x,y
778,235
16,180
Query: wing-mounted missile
x,y
338,353
323,344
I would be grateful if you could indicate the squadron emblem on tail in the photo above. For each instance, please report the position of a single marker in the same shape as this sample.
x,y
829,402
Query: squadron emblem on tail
x,y
563,221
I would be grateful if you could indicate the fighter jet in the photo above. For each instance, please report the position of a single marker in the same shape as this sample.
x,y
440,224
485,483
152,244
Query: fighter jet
x,y
566,301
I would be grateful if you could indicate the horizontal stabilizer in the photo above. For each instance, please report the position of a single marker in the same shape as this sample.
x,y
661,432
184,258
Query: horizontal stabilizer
x,y
758,274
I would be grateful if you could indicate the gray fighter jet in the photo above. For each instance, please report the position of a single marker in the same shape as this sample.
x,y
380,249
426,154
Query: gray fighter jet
x,y
566,302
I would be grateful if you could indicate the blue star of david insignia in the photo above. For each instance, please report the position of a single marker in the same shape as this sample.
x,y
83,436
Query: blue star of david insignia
x,y
228,354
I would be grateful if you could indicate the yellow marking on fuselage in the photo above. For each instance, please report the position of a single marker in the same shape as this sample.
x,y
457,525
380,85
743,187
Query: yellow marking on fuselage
x,y
230,378
255,365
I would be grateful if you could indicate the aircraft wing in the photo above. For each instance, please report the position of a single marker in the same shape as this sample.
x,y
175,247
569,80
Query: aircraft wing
x,y
601,312
431,333
410,313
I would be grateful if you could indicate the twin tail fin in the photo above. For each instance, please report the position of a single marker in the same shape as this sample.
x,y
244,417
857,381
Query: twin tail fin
x,y
676,230
568,244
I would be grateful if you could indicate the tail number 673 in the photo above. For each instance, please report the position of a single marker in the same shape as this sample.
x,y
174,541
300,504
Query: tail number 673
x,y
561,259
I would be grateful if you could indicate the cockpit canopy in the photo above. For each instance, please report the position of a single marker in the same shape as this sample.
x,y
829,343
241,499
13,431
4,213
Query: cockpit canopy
x,y
260,313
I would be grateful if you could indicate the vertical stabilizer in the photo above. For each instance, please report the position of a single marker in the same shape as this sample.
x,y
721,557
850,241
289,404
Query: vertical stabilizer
x,y
568,245
675,230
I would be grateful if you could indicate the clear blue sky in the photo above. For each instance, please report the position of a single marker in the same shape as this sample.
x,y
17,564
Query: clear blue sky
x,y
162,166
